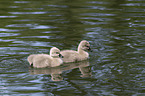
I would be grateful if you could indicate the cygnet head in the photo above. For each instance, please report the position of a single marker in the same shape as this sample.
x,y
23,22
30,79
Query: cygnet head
x,y
55,52
84,45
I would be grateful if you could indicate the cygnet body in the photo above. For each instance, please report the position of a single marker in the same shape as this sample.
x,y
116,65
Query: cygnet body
x,y
45,60
79,55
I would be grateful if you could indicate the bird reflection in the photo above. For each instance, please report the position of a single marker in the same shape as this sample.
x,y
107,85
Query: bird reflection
x,y
86,71
56,72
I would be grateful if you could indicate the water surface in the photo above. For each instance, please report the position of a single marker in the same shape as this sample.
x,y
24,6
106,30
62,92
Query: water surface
x,y
114,28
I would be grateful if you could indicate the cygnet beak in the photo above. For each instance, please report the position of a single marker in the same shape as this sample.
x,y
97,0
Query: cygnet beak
x,y
31,65
60,56
89,49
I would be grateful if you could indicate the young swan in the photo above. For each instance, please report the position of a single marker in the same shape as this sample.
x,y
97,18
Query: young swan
x,y
79,55
44,60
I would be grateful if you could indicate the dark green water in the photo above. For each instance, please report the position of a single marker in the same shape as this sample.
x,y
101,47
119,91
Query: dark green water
x,y
114,28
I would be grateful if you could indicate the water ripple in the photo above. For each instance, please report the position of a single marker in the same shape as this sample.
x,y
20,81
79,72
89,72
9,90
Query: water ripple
x,y
114,28
134,4
8,30
28,12
97,14
21,25
98,2
8,16
59,6
21,2
9,34
42,27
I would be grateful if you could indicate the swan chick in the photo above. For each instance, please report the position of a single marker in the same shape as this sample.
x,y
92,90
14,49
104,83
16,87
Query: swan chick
x,y
79,55
45,60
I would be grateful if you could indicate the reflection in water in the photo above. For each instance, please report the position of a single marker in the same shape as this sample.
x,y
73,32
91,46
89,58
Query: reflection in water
x,y
56,72
85,71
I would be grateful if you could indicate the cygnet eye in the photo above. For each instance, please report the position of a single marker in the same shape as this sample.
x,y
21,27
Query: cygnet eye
x,y
57,52
87,46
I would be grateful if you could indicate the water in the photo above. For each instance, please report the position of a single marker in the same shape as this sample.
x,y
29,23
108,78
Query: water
x,y
114,28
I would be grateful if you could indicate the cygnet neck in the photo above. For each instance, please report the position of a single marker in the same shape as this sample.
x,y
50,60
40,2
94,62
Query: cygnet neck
x,y
80,51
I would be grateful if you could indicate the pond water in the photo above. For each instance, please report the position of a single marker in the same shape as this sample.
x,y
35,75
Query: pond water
x,y
114,28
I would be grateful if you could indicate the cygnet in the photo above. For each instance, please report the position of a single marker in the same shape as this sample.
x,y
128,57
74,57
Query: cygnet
x,y
45,60
79,55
